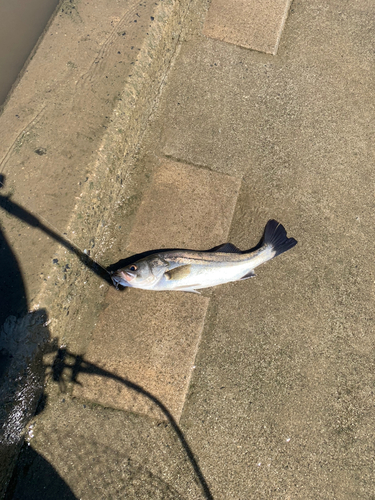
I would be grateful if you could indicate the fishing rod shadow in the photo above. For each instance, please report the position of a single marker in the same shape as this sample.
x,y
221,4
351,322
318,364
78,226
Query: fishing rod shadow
x,y
16,210
75,364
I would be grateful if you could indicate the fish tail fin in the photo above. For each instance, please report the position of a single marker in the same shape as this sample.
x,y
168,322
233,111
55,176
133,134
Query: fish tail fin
x,y
275,236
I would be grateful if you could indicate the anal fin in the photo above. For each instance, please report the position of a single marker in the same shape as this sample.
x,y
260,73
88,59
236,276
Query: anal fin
x,y
187,289
250,274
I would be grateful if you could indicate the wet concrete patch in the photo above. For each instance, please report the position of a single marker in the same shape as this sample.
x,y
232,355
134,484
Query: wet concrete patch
x,y
254,24
21,24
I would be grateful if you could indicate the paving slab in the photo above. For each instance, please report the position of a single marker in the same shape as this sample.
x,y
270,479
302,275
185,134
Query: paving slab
x,y
254,24
151,338
185,207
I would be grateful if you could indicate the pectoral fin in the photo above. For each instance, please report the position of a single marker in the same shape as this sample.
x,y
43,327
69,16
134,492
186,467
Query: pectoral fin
x,y
178,273
250,274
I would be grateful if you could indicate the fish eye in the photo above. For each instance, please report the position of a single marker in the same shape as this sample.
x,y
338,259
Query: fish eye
x,y
133,268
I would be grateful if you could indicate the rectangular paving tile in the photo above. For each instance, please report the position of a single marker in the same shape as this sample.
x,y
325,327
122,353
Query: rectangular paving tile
x,y
151,338
185,207
254,24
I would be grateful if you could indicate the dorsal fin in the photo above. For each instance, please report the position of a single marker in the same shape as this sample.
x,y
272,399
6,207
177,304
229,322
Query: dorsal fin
x,y
228,248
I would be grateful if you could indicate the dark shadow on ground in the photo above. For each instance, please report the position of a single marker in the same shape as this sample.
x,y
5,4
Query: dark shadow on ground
x,y
49,484
35,479
12,291
22,334
67,366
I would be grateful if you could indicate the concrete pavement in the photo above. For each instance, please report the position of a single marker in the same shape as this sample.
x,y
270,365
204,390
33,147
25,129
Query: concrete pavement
x,y
280,404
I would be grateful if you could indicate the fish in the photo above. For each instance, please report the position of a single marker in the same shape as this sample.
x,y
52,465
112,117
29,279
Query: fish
x,y
189,270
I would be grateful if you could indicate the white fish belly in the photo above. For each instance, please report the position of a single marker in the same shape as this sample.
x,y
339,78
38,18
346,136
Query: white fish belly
x,y
212,277
227,272
205,275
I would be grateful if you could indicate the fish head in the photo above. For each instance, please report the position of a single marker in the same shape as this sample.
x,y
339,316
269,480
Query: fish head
x,y
144,273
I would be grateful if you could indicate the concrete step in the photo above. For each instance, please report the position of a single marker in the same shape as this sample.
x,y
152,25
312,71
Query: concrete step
x,y
151,338
254,24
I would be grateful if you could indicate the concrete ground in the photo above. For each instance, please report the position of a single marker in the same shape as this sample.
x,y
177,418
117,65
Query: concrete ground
x,y
262,389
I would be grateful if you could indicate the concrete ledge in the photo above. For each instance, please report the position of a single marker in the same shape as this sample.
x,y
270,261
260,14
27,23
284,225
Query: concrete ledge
x,y
68,132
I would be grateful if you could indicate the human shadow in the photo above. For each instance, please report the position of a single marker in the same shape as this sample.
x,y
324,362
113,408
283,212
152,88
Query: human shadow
x,y
34,478
22,335
67,366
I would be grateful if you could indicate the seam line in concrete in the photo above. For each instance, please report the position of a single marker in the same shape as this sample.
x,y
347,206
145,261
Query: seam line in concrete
x,y
283,21
197,165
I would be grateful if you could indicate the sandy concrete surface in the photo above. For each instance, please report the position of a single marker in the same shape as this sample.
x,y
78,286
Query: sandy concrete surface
x,y
253,24
79,109
281,400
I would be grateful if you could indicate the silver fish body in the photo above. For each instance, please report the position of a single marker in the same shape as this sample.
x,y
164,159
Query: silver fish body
x,y
188,271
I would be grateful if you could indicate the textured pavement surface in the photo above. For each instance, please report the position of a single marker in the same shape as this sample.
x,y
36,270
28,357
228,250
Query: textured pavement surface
x,y
281,400
253,24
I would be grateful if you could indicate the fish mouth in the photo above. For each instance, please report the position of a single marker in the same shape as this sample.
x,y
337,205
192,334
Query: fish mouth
x,y
121,278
